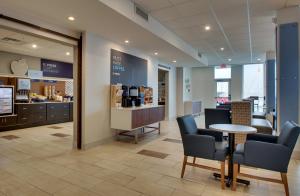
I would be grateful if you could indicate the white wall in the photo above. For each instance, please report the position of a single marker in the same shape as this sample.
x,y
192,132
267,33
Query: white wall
x,y
96,87
184,74
204,86
236,82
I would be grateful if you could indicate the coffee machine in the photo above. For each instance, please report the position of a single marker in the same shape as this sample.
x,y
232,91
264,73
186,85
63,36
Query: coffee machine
x,y
134,94
126,99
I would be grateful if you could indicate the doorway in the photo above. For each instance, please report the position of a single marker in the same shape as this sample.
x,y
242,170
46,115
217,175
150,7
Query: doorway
x,y
49,105
163,90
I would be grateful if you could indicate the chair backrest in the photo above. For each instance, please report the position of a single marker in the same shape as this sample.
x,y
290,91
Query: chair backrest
x,y
241,112
216,116
289,134
187,125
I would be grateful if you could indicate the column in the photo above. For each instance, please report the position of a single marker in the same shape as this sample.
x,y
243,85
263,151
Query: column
x,y
288,65
271,81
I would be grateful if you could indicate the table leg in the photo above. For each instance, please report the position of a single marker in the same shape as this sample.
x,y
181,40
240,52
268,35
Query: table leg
x,y
230,161
229,177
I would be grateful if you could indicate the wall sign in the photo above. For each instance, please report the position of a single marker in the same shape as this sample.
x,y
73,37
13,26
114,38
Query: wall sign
x,y
128,69
36,74
57,69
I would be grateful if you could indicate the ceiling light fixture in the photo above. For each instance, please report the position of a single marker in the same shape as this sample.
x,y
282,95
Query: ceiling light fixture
x,y
258,59
229,60
126,41
222,49
68,53
174,61
156,53
207,28
34,46
71,18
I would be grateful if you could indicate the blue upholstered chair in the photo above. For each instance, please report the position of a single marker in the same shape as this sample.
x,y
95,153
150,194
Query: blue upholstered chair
x,y
267,152
201,143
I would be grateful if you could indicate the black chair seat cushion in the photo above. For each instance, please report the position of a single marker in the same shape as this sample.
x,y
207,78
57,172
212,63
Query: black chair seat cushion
x,y
262,125
221,151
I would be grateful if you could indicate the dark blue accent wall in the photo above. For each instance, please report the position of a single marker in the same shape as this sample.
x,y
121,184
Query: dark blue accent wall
x,y
128,69
289,72
271,84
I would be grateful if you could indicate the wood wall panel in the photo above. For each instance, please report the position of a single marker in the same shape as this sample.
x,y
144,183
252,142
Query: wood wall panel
x,y
38,87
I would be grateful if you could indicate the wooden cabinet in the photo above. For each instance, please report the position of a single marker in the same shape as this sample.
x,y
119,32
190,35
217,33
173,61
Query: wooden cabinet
x,y
133,118
58,112
30,113
37,114
8,121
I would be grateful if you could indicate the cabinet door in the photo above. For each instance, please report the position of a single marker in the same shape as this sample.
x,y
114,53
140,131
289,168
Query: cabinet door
x,y
160,113
153,115
140,118
38,117
24,119
8,121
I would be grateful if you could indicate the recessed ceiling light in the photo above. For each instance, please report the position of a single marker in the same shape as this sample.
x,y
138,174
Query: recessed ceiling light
x,y
71,18
155,53
207,28
34,46
126,41
222,49
68,53
229,60
258,59
174,61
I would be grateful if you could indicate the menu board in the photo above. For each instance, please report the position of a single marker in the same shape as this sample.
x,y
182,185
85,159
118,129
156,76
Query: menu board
x,y
58,69
128,69
6,100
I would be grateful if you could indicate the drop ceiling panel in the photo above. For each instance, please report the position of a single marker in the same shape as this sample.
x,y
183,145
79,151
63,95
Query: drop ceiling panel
x,y
191,17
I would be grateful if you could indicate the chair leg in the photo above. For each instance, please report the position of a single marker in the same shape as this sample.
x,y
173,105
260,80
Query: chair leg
x,y
183,166
223,175
194,160
235,173
285,183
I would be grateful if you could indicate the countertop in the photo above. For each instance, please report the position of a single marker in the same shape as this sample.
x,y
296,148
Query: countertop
x,y
136,108
44,102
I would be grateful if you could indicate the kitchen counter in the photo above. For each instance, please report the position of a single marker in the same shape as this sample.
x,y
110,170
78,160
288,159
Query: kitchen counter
x,y
44,102
37,114
137,108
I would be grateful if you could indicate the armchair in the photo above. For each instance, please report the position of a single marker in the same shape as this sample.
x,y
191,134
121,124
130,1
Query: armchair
x,y
201,143
267,152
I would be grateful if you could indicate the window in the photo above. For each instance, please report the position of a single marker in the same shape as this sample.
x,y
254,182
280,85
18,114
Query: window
x,y
222,73
253,85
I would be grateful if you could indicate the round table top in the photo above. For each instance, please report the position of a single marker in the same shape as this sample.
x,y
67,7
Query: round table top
x,y
232,128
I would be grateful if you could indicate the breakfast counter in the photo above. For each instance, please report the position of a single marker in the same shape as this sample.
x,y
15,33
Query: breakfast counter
x,y
37,114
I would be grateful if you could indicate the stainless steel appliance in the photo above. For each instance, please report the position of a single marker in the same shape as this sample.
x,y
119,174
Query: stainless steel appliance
x,y
23,89
6,100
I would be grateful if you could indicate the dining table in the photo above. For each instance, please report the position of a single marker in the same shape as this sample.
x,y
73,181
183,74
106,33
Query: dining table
x,y
231,130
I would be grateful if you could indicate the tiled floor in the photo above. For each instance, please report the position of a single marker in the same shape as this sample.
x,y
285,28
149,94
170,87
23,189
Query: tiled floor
x,y
38,163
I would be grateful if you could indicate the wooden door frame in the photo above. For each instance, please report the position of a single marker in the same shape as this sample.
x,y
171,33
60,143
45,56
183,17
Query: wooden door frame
x,y
79,67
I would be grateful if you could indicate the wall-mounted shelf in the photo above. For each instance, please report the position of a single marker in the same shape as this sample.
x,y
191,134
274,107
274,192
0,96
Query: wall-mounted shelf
x,y
43,78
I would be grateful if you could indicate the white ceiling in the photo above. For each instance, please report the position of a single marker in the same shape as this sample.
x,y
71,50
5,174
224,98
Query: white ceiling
x,y
45,48
95,17
229,26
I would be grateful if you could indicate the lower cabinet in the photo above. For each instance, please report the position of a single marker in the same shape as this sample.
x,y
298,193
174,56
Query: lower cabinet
x,y
143,117
37,114
8,121
57,113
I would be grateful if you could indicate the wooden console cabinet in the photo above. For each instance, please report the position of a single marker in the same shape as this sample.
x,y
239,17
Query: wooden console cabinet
x,y
135,118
